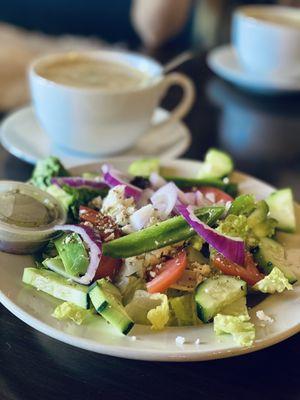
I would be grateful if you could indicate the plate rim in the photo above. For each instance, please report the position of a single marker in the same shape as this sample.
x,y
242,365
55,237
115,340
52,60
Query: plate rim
x,y
139,353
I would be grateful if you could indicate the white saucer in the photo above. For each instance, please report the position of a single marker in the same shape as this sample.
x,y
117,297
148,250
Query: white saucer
x,y
224,62
22,136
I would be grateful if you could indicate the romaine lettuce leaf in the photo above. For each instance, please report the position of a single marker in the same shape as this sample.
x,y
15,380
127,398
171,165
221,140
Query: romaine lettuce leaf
x,y
234,319
149,309
235,226
128,285
71,311
184,308
274,282
81,196
238,307
239,326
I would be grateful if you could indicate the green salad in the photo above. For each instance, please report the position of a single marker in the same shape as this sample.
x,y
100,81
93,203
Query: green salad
x,y
147,248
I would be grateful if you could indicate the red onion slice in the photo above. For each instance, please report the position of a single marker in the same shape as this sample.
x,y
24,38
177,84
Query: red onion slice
x,y
231,248
113,177
78,182
95,249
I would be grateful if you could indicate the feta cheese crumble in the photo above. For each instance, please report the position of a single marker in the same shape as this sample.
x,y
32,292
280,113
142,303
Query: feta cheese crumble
x,y
180,340
133,338
117,206
263,317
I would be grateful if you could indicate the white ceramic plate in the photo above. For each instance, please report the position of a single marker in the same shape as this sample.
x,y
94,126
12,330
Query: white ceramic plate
x,y
224,62
35,308
23,137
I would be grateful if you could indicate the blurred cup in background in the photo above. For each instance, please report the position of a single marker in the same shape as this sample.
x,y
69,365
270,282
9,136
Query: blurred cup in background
x,y
99,112
267,39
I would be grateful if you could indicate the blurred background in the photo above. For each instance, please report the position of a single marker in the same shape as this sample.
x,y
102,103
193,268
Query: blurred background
x,y
261,132
33,27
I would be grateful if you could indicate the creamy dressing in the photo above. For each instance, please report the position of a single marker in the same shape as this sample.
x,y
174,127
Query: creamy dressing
x,y
20,209
82,71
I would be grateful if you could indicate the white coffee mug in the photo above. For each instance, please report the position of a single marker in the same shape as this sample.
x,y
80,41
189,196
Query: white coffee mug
x,y
267,39
100,121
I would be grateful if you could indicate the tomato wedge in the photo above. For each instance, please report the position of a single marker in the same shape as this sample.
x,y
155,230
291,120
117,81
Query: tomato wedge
x,y
168,274
219,194
249,273
108,267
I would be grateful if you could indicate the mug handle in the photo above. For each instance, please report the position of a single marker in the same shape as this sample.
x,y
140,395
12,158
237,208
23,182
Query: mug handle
x,y
186,102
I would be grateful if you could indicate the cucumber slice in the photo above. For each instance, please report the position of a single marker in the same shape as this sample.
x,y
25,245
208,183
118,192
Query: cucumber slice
x,y
144,167
57,286
281,205
271,254
106,299
243,205
217,164
217,292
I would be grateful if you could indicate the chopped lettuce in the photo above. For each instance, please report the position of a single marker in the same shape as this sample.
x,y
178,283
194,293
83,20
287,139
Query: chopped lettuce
x,y
128,285
144,167
239,326
159,316
234,319
195,255
45,170
249,220
197,242
237,226
184,309
265,228
274,282
61,195
149,309
80,196
238,307
71,311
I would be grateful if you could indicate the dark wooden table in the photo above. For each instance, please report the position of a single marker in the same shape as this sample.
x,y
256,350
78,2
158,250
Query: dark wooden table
x,y
263,135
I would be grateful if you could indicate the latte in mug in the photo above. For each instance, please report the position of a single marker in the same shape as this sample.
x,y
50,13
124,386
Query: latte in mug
x,y
266,39
101,102
87,72
290,20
